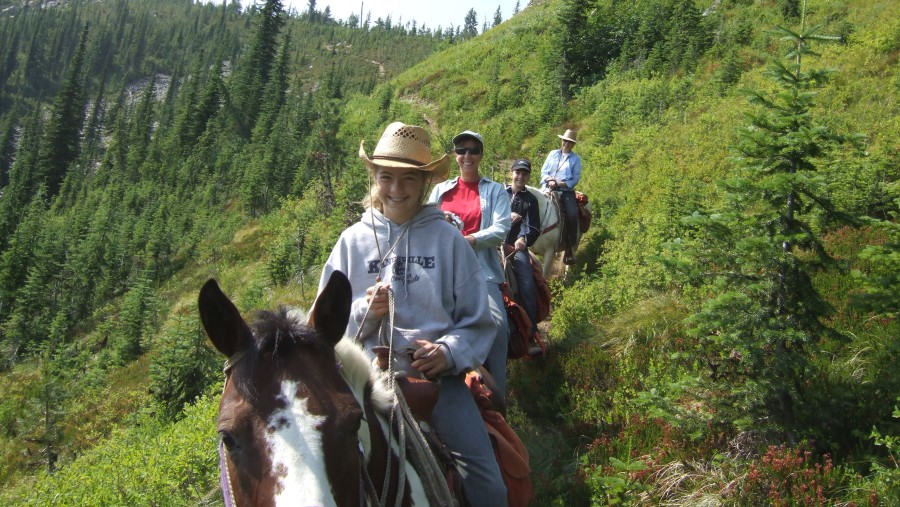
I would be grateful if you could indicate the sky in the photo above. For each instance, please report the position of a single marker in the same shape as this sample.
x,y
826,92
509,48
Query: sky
x,y
430,13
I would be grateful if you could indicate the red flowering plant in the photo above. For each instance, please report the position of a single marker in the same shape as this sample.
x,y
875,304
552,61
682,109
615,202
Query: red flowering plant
x,y
786,476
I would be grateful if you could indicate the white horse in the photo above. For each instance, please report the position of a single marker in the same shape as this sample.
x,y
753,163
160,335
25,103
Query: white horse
x,y
548,244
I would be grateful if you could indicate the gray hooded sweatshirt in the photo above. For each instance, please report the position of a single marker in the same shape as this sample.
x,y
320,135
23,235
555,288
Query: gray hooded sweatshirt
x,y
437,281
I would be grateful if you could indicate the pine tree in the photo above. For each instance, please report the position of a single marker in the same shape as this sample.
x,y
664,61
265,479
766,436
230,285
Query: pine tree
x,y
47,430
7,146
23,185
470,25
577,53
766,322
256,66
498,17
140,129
183,369
38,300
18,255
136,315
32,76
60,143
685,37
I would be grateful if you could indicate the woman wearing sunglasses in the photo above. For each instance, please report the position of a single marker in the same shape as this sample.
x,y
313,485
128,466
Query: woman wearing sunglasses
x,y
482,207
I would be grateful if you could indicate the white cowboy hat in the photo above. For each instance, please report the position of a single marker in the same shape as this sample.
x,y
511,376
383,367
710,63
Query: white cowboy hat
x,y
569,135
404,145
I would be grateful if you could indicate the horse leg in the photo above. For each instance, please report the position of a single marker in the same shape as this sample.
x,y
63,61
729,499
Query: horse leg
x,y
548,257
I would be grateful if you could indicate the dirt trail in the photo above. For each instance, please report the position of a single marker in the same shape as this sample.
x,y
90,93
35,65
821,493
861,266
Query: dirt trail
x,y
425,106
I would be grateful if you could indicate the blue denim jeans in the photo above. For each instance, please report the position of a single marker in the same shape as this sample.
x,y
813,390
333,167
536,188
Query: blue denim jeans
x,y
496,360
526,287
458,422
570,205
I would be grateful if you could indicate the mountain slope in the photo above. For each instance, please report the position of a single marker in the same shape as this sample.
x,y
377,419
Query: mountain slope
x,y
619,411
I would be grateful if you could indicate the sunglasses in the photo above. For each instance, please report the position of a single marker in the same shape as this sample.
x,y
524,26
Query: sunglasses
x,y
475,150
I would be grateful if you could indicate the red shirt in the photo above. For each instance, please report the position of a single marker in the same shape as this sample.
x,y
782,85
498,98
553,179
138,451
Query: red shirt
x,y
463,201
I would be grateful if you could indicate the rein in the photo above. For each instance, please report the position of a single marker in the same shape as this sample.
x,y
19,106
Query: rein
x,y
401,480
423,460
552,200
224,476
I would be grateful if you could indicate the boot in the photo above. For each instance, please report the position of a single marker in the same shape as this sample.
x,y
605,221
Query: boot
x,y
569,257
535,350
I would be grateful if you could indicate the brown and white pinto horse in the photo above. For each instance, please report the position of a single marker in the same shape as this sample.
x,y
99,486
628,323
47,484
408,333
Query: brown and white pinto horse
x,y
301,416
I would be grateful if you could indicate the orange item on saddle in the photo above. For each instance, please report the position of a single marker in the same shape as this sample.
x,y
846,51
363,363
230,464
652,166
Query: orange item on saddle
x,y
511,453
584,214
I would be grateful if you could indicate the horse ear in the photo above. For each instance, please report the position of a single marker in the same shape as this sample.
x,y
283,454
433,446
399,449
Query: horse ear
x,y
222,320
331,310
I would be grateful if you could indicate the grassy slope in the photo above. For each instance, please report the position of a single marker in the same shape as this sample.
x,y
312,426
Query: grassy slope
x,y
651,147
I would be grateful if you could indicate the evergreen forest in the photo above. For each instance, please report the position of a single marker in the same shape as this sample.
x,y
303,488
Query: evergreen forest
x,y
725,337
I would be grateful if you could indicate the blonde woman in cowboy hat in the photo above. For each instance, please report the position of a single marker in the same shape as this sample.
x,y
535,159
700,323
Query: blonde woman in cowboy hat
x,y
405,249
483,207
561,172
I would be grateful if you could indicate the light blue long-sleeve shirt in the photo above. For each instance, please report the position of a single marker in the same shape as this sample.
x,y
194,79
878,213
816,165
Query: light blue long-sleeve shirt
x,y
495,223
563,168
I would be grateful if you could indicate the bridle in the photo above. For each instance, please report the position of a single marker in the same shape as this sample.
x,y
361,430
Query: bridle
x,y
224,475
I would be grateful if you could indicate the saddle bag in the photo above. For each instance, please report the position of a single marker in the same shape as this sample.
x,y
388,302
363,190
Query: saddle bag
x,y
519,325
584,214
543,295
511,453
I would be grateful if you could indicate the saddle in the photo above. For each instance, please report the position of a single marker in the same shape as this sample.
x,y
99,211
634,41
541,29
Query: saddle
x,y
420,396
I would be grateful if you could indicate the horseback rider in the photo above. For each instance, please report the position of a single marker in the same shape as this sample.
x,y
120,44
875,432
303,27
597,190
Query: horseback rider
x,y
410,267
483,206
560,173
525,229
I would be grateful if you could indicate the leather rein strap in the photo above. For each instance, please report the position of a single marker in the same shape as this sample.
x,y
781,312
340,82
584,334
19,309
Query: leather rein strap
x,y
224,476
552,200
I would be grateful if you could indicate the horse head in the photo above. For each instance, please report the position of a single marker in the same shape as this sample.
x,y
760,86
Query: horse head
x,y
287,422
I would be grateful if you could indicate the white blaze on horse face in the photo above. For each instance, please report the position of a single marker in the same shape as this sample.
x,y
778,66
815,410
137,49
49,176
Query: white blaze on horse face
x,y
298,460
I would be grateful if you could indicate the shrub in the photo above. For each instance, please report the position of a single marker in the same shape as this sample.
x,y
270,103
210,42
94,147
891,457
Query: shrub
x,y
786,476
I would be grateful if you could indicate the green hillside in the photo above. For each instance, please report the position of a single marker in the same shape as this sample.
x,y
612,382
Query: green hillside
x,y
728,336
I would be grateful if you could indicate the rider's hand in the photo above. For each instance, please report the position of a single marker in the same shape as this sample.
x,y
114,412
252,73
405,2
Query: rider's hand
x,y
521,245
515,217
429,359
377,299
551,184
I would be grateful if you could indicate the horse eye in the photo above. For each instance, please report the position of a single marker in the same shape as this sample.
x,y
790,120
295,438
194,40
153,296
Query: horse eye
x,y
228,441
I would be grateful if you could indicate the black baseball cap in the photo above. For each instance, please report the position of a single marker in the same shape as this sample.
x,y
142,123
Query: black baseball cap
x,y
521,164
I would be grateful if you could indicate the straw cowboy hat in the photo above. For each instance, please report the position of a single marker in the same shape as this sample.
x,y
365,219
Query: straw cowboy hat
x,y
570,135
405,146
